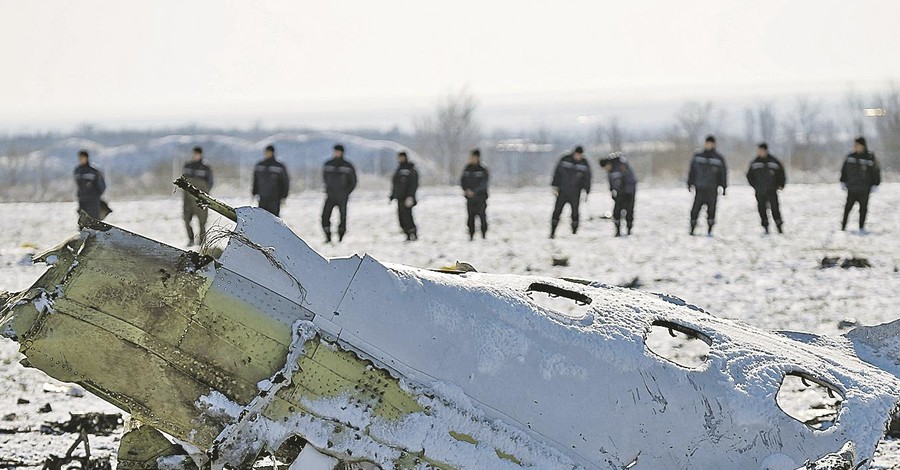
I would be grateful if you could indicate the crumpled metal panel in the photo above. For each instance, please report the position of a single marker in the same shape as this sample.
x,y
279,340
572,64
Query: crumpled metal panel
x,y
407,367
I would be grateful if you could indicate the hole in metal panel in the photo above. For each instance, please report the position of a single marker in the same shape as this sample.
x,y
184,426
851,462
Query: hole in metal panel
x,y
812,401
679,344
565,301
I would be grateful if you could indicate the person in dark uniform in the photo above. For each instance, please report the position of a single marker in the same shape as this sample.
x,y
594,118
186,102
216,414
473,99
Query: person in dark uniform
x,y
270,182
860,177
340,180
571,177
474,182
90,184
622,187
200,175
707,174
766,176
403,190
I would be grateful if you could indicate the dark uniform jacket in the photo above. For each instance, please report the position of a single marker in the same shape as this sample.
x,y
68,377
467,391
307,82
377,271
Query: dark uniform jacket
x,y
621,178
405,182
766,174
340,178
198,174
708,170
861,172
90,183
270,180
475,178
571,176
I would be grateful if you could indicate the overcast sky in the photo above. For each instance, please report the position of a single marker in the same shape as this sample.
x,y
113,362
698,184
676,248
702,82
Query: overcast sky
x,y
76,61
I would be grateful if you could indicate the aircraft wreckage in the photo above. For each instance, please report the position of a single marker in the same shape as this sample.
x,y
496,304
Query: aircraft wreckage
x,y
272,346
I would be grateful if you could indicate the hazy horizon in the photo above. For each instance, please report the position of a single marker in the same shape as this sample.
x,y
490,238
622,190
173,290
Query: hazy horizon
x,y
352,64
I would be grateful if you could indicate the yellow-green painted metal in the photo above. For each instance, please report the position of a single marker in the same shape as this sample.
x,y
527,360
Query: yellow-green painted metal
x,y
152,329
141,448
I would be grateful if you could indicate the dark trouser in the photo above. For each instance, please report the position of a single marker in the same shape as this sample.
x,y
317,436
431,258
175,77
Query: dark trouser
x,y
91,206
330,204
272,205
561,200
862,197
764,202
624,203
476,207
404,214
191,209
705,197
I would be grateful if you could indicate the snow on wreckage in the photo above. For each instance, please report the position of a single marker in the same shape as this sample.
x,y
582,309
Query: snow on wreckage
x,y
272,347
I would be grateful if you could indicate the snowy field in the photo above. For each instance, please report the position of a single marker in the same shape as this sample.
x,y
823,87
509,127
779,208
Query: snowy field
x,y
772,282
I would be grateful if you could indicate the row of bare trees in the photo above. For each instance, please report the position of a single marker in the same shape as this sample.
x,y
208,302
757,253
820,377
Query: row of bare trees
x,y
809,134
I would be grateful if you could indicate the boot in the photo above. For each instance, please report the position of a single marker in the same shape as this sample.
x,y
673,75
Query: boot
x,y
629,229
553,226
780,230
693,226
618,230
766,228
709,231
327,238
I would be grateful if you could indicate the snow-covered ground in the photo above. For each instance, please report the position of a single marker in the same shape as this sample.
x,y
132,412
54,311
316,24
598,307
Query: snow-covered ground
x,y
772,282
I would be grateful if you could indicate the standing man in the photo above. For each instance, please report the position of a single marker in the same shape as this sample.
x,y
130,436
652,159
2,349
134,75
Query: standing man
x,y
340,180
860,177
708,173
200,175
90,184
572,175
766,175
622,187
270,182
474,182
403,189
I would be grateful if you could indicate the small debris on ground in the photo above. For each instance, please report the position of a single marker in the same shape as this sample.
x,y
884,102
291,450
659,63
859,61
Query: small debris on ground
x,y
848,323
856,263
830,262
85,462
10,463
894,427
560,261
100,424
633,284
70,390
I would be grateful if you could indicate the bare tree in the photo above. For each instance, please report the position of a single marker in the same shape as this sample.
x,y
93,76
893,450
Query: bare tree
x,y
805,129
888,127
767,122
13,169
693,119
449,133
808,116
750,125
611,133
856,118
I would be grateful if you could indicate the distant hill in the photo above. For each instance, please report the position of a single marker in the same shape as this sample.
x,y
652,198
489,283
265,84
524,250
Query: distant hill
x,y
147,165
